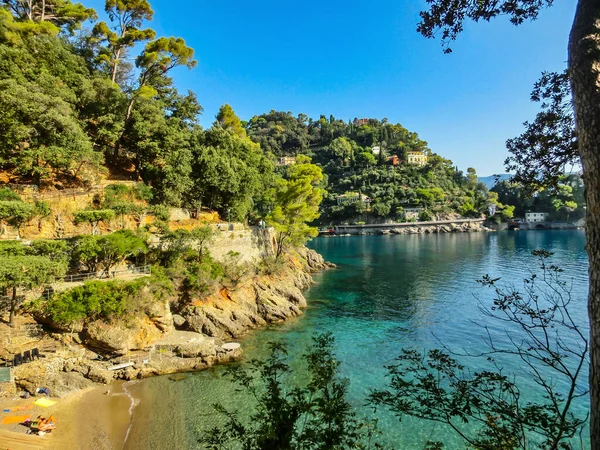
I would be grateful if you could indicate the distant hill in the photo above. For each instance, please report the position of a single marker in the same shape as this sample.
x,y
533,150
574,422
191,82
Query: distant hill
x,y
492,179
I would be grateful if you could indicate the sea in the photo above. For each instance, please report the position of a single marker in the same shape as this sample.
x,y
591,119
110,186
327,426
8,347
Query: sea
x,y
388,293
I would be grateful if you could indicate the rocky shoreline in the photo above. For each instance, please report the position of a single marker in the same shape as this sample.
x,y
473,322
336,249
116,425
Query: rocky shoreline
x,y
465,227
167,338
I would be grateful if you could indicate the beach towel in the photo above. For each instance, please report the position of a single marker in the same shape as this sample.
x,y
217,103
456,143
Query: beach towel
x,y
14,419
18,408
44,402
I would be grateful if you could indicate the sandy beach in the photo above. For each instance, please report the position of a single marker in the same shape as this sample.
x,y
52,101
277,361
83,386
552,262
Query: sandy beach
x,y
88,419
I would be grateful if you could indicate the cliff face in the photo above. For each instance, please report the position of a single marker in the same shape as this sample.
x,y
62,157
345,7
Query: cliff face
x,y
166,336
255,302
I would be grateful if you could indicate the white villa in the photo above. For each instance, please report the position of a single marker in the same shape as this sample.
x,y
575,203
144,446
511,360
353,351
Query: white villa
x,y
416,158
536,216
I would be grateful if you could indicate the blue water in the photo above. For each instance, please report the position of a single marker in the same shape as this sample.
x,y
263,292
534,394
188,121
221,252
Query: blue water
x,y
389,292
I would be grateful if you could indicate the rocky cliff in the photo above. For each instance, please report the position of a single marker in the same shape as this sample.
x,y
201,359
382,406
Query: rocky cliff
x,y
166,335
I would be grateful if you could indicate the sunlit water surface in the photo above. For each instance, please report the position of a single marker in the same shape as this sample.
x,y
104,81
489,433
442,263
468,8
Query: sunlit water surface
x,y
389,292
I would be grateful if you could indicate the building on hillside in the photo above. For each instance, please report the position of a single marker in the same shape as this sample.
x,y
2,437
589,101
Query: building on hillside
x,y
393,160
536,216
376,150
359,122
416,158
412,212
287,161
350,198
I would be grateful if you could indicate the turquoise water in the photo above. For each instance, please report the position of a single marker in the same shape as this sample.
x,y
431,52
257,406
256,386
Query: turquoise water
x,y
389,292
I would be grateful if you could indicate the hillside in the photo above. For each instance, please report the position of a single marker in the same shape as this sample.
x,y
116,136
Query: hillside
x,y
492,180
375,170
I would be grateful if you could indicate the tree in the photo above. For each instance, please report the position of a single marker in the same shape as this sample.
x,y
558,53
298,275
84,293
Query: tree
x,y
365,159
157,59
315,416
448,17
552,350
27,272
41,135
228,120
93,217
296,203
227,172
62,13
202,236
548,146
16,214
127,17
114,248
86,254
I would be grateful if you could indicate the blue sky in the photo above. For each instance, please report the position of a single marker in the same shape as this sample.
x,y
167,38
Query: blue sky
x,y
365,59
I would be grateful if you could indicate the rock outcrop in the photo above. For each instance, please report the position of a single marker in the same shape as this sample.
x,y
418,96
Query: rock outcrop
x,y
257,301
148,343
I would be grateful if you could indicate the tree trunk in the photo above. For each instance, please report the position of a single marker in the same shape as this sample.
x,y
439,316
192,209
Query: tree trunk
x,y
584,67
13,307
116,65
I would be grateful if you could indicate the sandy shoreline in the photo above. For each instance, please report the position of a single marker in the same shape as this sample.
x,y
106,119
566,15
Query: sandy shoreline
x,y
88,419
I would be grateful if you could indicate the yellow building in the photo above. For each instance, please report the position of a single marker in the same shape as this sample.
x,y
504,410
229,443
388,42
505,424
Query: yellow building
x,y
287,161
416,158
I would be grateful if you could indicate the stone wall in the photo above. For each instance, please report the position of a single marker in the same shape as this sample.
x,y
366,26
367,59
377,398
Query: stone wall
x,y
251,243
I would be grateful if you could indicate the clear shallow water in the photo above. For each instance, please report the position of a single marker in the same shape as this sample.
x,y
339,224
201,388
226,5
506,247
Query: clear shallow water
x,y
390,292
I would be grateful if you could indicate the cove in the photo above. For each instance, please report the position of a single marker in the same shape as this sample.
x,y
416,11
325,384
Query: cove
x,y
389,292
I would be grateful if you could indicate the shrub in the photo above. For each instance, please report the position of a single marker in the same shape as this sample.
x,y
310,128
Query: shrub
x,y
269,265
54,249
234,269
202,277
12,248
94,300
8,195
425,215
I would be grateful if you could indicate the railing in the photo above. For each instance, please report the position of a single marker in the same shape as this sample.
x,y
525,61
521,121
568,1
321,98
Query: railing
x,y
142,270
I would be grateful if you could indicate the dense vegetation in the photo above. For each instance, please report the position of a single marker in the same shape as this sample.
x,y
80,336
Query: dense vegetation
x,y
358,157
74,108
564,201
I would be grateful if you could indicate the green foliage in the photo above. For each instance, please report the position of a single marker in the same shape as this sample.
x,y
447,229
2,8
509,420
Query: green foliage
x,y
86,254
16,213
425,215
201,237
92,253
161,212
227,172
13,248
234,270
227,119
564,200
93,217
8,195
127,17
202,277
269,265
42,137
60,13
296,203
119,246
94,300
56,250
27,272
315,415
